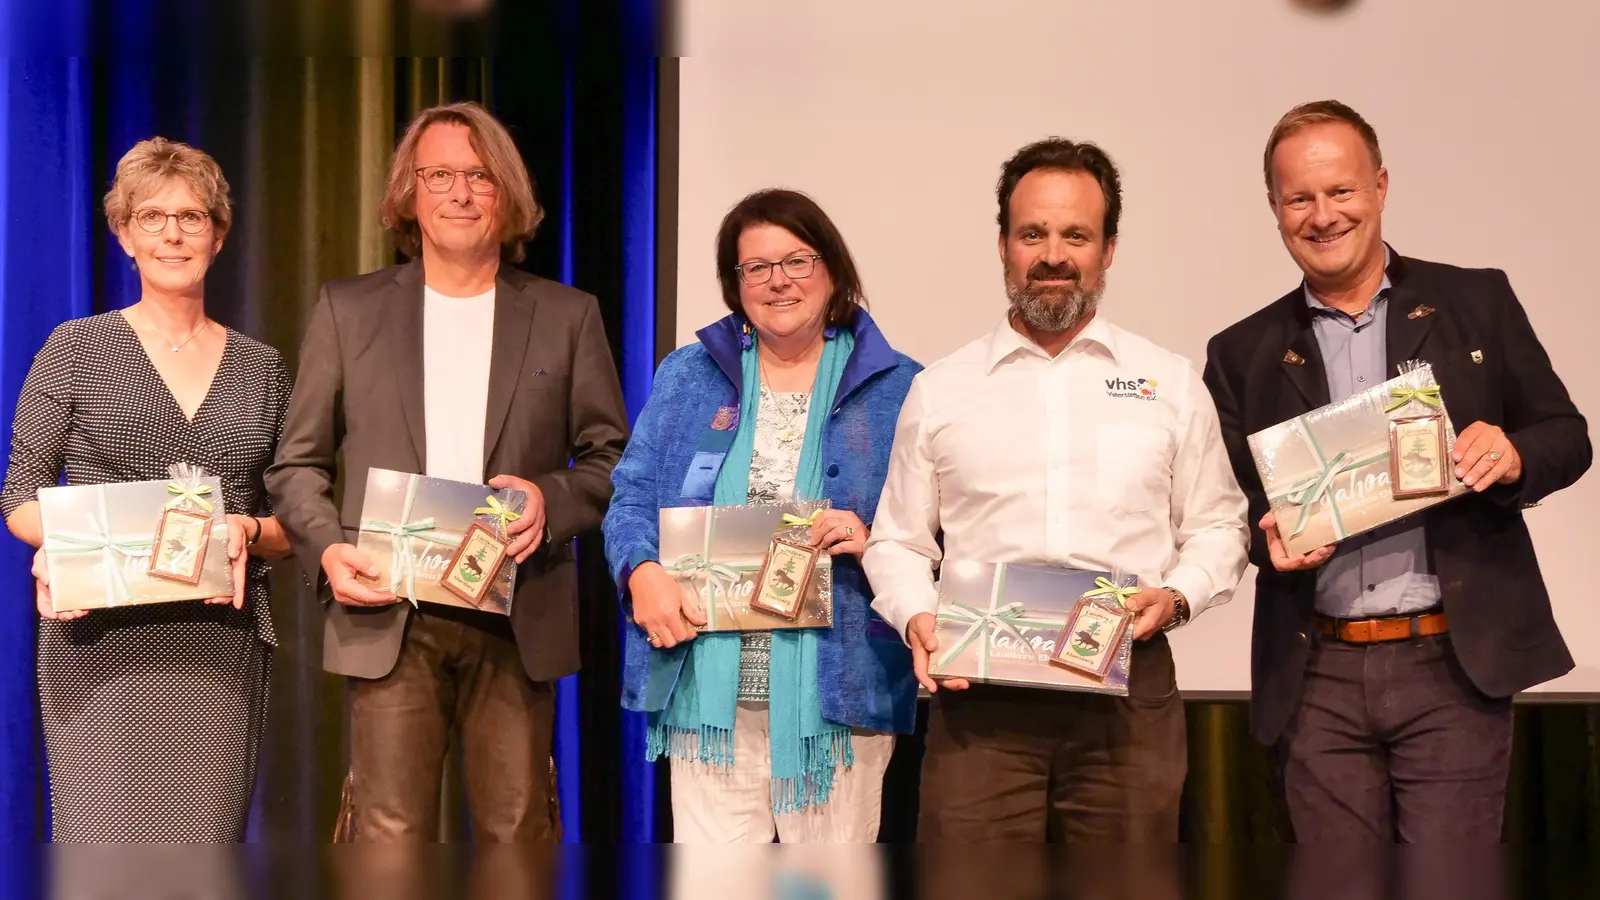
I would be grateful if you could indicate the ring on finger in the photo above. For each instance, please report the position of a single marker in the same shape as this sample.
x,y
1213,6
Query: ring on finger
x,y
849,531
1494,455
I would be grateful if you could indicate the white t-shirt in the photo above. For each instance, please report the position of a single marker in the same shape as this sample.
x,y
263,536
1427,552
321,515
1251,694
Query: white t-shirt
x,y
456,336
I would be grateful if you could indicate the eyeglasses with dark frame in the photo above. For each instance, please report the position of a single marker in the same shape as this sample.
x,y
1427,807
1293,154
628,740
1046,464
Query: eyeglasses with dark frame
x,y
154,221
439,179
800,265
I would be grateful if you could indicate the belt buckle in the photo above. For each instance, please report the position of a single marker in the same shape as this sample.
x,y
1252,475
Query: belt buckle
x,y
1339,626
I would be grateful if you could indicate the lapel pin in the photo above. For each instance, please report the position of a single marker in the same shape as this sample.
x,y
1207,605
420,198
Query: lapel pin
x,y
1294,359
1420,311
1477,356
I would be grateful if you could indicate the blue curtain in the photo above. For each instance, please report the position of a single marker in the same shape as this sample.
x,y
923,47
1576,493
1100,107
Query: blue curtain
x,y
48,204
638,363
568,744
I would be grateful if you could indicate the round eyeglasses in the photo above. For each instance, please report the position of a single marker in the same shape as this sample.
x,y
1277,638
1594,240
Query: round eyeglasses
x,y
800,265
153,221
439,180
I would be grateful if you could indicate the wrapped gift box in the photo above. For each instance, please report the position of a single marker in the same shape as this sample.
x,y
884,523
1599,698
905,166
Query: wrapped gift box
x,y
718,553
1002,623
100,541
412,527
1329,474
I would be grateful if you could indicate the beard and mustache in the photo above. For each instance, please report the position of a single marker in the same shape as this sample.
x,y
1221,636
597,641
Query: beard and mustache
x,y
1053,308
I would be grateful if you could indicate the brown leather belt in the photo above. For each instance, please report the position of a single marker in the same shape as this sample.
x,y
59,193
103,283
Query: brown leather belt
x,y
1389,628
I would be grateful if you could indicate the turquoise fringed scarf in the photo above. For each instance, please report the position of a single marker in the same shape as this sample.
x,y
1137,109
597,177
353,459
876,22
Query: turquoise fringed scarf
x,y
698,721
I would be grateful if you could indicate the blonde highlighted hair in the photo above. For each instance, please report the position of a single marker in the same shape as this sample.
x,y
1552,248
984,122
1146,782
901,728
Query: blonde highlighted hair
x,y
1319,112
518,213
145,168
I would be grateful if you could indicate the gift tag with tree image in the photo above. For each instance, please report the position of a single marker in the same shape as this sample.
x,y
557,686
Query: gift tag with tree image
x,y
180,546
471,571
1417,457
1097,628
785,578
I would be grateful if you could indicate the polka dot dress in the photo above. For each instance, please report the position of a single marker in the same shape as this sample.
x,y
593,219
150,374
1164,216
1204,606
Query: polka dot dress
x,y
152,714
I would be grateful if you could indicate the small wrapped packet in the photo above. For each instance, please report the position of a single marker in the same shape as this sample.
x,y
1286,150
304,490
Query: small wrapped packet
x,y
790,565
183,534
1419,440
1098,635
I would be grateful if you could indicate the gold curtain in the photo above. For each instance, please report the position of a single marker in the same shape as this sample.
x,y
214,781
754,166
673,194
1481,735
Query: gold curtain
x,y
319,135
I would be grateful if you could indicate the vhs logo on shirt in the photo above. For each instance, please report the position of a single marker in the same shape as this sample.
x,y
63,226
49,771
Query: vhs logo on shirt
x,y
1138,388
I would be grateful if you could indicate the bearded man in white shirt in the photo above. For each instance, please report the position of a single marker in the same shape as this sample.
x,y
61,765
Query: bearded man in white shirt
x,y
1058,439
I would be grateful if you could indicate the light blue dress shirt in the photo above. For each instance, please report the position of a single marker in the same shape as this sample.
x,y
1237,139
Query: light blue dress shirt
x,y
1385,571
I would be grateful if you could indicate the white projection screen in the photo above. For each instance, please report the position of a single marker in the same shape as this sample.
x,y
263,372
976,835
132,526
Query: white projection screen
x,y
896,116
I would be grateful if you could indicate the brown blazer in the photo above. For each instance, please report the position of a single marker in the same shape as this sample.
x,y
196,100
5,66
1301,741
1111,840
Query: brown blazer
x,y
555,417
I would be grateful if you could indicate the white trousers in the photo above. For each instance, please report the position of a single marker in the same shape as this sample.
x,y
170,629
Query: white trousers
x,y
724,805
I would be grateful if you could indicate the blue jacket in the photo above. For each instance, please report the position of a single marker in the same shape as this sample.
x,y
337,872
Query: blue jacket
x,y
864,667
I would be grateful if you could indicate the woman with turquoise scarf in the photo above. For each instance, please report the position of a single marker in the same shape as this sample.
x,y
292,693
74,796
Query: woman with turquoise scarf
x,y
793,396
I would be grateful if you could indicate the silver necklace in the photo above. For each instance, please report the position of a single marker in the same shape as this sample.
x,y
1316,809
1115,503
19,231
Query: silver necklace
x,y
786,431
168,341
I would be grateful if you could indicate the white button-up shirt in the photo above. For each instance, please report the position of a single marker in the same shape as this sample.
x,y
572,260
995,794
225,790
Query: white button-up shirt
x,y
1107,457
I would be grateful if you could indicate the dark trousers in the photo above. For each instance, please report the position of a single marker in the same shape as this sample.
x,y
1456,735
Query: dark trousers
x,y
459,672
1392,741
1028,764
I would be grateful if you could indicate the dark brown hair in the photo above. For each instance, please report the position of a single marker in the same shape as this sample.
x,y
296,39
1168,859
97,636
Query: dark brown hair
x,y
1318,112
801,216
519,213
1067,156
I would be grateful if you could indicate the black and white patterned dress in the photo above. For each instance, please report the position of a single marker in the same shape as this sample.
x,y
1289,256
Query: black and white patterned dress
x,y
152,714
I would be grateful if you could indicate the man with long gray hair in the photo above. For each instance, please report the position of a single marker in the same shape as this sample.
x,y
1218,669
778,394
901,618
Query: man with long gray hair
x,y
1058,439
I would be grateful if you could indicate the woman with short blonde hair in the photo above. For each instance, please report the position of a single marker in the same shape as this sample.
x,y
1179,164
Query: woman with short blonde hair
x,y
153,714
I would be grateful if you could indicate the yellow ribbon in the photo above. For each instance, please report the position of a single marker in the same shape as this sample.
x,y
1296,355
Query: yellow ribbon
x,y
1427,395
790,519
190,493
1104,587
500,511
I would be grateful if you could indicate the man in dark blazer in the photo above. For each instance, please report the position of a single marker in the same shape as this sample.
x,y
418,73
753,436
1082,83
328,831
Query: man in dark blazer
x,y
455,365
1383,667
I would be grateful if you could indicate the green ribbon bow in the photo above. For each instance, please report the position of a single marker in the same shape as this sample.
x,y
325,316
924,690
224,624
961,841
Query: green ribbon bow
x,y
1011,619
401,534
500,511
100,540
1428,396
719,584
1315,490
1305,494
1105,587
188,492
